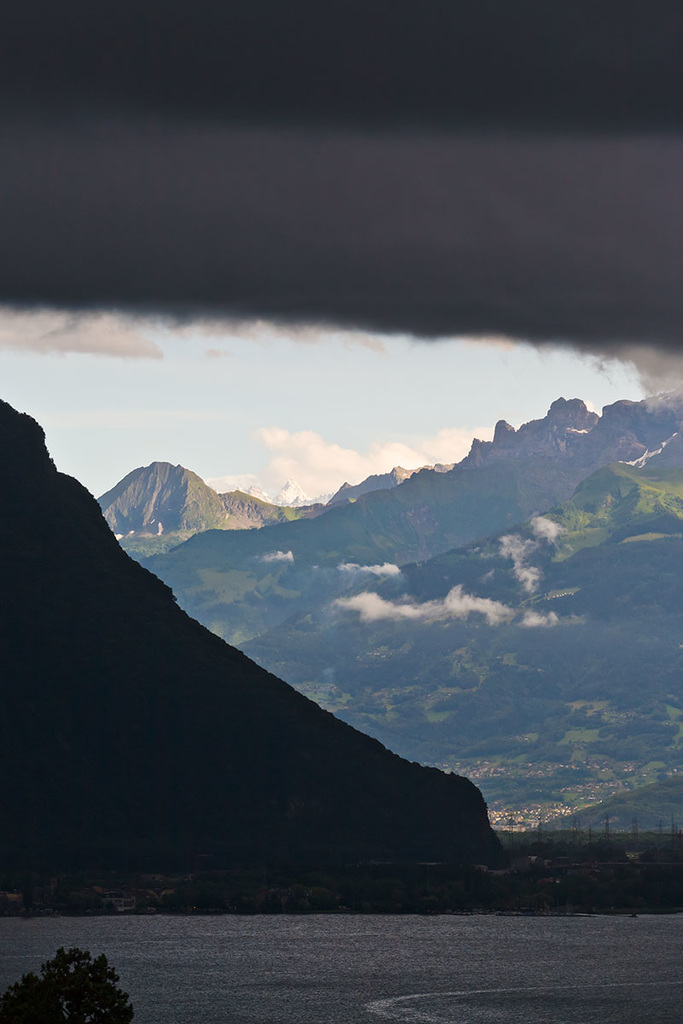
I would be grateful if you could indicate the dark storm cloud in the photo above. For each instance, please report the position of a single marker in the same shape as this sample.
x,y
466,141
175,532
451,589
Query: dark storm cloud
x,y
432,234
601,63
435,167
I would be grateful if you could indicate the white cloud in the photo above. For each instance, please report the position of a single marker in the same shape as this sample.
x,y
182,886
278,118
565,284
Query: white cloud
x,y
321,466
373,608
459,605
277,556
547,529
50,330
386,569
456,605
534,620
519,550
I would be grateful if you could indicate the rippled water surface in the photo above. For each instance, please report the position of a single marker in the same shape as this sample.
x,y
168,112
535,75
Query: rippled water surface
x,y
359,970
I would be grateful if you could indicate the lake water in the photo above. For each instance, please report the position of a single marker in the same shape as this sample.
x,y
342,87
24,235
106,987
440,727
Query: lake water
x,y
371,970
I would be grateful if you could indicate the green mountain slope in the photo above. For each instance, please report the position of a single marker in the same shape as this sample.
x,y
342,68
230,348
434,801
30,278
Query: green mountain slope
x,y
546,662
130,736
620,499
650,808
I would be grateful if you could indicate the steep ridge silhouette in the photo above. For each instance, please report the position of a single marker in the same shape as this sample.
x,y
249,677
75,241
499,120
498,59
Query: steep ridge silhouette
x,y
131,736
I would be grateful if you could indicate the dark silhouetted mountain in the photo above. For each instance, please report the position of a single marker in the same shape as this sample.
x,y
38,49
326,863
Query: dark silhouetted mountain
x,y
130,735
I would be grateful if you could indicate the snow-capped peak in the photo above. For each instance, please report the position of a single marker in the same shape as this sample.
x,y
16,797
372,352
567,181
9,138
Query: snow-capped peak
x,y
292,494
257,492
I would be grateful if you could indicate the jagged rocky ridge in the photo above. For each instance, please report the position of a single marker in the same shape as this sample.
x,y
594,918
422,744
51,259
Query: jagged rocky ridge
x,y
131,736
626,431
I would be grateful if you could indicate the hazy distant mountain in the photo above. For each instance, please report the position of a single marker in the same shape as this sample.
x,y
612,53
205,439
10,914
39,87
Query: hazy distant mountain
x,y
377,482
247,512
241,585
131,736
382,481
291,494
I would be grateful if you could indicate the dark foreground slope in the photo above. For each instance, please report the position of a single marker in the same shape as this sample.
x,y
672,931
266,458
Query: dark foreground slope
x,y
129,735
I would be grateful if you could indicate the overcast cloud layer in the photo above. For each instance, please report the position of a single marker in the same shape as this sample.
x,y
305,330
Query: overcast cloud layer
x,y
436,168
501,63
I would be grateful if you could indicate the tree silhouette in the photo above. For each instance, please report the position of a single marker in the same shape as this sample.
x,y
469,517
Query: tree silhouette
x,y
73,988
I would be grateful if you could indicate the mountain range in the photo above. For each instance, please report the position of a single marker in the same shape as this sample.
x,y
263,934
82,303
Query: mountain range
x,y
515,618
130,736
241,584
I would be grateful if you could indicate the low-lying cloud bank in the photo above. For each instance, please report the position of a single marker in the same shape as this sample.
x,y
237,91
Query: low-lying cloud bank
x,y
532,620
520,549
277,556
386,569
547,529
457,604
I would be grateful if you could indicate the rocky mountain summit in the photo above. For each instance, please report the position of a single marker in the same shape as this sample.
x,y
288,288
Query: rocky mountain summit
x,y
161,498
626,431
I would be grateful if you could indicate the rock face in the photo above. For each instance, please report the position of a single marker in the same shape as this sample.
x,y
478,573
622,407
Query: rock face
x,y
570,432
131,736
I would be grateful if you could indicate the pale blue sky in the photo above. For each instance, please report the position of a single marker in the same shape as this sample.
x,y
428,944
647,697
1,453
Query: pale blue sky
x,y
268,407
